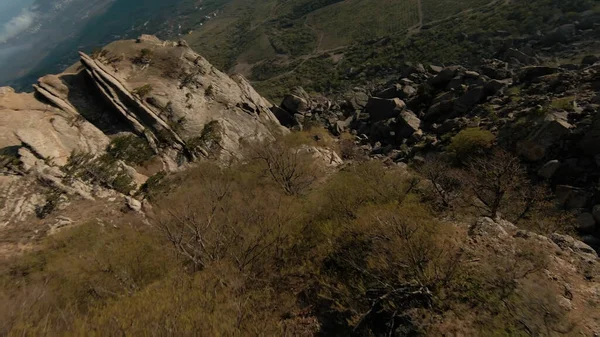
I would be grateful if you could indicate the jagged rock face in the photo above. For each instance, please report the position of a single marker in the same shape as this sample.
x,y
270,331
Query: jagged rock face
x,y
50,133
168,93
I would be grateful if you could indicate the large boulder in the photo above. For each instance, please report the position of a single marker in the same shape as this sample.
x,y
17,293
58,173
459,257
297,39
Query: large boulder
x,y
528,74
553,128
472,97
586,222
294,104
548,170
408,123
442,79
50,133
570,197
382,109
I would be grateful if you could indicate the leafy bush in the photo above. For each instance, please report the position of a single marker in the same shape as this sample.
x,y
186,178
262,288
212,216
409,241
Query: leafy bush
x,y
471,142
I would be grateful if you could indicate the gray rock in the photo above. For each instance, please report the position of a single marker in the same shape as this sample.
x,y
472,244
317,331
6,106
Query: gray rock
x,y
357,99
588,60
591,139
434,69
408,124
590,240
560,34
455,83
571,197
391,92
451,125
284,117
382,109
407,91
521,57
586,222
444,97
567,242
487,227
527,74
444,77
439,111
548,170
471,98
133,204
498,71
471,74
294,104
549,133
495,86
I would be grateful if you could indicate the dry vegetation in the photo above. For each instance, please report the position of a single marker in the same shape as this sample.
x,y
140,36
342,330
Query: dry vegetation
x,y
276,247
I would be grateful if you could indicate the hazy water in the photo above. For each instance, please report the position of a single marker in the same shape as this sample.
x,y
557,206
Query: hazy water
x,y
12,8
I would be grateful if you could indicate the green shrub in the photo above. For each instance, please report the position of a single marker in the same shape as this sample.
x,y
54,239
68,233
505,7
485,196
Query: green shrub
x,y
104,171
471,141
131,149
154,186
143,91
144,58
9,159
210,139
53,199
564,103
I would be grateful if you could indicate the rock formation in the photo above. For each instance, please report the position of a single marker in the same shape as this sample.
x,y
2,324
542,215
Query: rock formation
x,y
160,91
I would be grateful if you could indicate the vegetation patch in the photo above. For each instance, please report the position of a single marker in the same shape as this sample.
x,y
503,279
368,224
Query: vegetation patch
x,y
104,171
143,90
471,142
209,140
357,253
131,149
563,103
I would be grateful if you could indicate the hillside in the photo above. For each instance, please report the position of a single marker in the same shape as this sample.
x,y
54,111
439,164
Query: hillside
x,y
403,168
464,38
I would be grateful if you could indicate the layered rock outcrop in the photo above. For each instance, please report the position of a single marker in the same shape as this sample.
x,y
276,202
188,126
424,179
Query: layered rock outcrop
x,y
159,91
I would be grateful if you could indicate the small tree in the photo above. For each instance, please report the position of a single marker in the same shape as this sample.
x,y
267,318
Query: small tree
x,y
446,181
291,168
219,217
495,179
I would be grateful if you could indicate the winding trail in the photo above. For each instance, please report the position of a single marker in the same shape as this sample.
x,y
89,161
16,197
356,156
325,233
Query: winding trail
x,y
417,28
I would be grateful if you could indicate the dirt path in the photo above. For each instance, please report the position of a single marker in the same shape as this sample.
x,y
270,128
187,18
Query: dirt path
x,y
417,28
317,32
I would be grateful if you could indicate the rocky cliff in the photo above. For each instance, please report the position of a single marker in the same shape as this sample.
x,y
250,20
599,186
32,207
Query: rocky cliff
x,y
180,106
